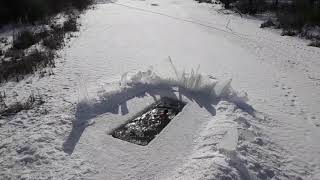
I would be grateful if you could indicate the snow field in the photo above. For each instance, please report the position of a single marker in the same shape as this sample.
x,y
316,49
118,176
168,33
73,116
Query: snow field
x,y
218,133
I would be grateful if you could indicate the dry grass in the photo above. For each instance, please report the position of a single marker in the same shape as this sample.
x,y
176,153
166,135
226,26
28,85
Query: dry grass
x,y
17,68
25,39
9,110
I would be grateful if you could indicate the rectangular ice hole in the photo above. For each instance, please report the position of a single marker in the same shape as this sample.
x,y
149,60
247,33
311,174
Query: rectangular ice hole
x,y
146,125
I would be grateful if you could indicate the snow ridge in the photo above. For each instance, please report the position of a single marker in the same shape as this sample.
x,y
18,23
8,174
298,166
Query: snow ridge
x,y
232,146
141,82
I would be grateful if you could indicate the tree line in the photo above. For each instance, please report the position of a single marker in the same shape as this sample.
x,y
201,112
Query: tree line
x,y
290,13
25,11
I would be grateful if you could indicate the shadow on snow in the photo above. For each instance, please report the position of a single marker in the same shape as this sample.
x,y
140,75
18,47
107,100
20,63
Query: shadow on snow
x,y
111,102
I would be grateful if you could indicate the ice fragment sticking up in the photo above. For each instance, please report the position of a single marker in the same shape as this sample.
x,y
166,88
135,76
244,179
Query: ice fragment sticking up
x,y
193,81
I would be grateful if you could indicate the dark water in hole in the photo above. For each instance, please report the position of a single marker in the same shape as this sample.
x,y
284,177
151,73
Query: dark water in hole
x,y
146,125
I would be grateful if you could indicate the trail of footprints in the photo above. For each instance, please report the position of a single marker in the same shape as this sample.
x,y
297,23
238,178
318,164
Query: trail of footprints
x,y
291,99
288,94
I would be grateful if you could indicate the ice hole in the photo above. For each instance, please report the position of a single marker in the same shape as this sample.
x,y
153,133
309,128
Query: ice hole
x,y
146,125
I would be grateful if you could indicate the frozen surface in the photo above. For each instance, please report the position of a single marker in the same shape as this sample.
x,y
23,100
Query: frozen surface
x,y
119,64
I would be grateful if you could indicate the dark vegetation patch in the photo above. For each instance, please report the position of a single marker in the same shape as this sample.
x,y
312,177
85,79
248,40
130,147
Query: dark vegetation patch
x,y
25,39
144,127
70,25
20,58
29,11
14,54
54,41
203,1
268,23
12,109
289,32
315,43
55,38
16,62
290,15
250,6
21,64
299,13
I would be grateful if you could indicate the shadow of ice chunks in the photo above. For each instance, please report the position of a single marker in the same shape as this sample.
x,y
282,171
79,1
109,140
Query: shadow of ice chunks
x,y
144,127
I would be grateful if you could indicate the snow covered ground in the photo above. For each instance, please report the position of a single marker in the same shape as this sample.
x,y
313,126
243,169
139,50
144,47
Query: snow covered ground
x,y
119,64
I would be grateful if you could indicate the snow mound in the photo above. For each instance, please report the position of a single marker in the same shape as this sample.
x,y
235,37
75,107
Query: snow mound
x,y
232,146
133,84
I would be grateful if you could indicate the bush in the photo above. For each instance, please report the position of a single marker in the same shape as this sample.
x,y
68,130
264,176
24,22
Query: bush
x,y
23,10
20,64
43,34
14,53
199,1
70,25
54,41
32,101
227,3
292,15
81,4
311,32
24,40
267,23
32,10
315,43
289,32
56,38
299,13
16,68
37,60
251,6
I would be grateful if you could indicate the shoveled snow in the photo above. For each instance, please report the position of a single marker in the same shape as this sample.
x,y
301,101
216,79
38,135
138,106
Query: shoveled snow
x,y
119,64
